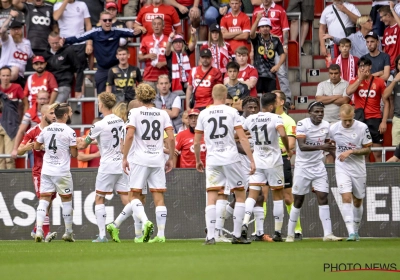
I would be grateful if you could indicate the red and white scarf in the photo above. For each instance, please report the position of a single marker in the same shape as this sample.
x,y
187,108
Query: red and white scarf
x,y
351,67
220,56
156,49
180,70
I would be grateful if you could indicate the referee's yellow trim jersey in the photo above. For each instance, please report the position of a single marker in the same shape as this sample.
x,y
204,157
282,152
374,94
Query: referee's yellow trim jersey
x,y
290,128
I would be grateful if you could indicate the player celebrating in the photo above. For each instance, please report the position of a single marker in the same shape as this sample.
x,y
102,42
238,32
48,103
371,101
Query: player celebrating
x,y
145,162
27,145
264,128
312,139
218,124
353,142
107,132
59,141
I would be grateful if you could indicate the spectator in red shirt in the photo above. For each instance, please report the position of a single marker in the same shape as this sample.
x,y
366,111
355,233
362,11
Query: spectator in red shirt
x,y
157,9
41,80
372,106
10,95
184,143
202,79
152,52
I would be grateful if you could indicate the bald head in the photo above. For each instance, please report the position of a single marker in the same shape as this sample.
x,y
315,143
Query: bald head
x,y
134,104
219,92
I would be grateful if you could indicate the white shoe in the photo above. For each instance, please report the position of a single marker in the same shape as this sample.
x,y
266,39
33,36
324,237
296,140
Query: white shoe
x,y
331,237
50,236
222,238
68,236
39,235
289,238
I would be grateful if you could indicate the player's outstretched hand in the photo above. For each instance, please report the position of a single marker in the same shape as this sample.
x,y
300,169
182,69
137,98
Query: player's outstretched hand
x,y
168,165
252,168
125,166
328,147
344,155
200,166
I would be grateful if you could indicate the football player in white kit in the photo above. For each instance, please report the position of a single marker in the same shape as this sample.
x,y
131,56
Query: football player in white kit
x,y
312,140
265,128
218,123
145,163
59,142
107,133
353,143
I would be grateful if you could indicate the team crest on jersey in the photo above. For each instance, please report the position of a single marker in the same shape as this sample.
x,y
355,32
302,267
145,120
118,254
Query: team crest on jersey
x,y
354,136
61,58
272,14
155,10
234,21
323,131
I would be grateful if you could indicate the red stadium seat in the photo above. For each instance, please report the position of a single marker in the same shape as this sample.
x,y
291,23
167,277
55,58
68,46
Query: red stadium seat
x,y
318,8
88,109
294,57
20,163
133,58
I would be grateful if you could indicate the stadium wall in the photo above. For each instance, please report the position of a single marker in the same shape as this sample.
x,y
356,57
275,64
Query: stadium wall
x,y
185,201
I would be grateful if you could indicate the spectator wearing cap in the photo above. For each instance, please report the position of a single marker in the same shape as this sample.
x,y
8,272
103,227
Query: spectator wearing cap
x,y
202,79
358,40
380,60
220,50
157,9
266,47
105,44
40,80
15,49
177,53
10,96
184,143
112,8
235,27
152,52
73,18
62,62
237,91
169,101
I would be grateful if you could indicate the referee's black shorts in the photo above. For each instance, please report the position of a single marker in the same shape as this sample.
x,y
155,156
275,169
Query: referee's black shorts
x,y
287,172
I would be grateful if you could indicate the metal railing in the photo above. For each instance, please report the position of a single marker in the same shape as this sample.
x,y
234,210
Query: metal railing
x,y
384,150
25,156
81,128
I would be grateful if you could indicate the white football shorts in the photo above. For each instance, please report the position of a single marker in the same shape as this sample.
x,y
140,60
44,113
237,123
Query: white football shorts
x,y
355,185
272,177
63,185
142,176
305,178
107,183
225,177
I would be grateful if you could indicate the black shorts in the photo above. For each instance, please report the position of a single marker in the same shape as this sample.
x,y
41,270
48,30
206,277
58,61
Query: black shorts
x,y
373,126
265,85
305,7
287,172
183,16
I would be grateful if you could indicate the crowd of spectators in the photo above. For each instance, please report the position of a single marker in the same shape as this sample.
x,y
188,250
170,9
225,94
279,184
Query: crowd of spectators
x,y
59,39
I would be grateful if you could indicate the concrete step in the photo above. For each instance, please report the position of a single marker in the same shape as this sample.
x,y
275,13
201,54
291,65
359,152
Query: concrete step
x,y
298,115
308,89
301,102
295,88
319,62
306,61
293,75
317,75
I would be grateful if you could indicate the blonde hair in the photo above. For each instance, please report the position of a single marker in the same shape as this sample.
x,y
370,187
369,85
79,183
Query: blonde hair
x,y
121,110
219,92
361,20
145,93
108,99
163,76
134,104
346,109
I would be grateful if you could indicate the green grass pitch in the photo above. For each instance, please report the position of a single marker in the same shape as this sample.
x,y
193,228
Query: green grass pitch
x,y
189,259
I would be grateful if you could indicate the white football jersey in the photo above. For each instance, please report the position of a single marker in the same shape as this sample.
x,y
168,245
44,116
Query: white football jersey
x,y
57,138
244,158
218,123
150,124
263,128
315,135
355,137
107,132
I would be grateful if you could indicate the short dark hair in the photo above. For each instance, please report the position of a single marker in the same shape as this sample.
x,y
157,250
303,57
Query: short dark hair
x,y
60,109
5,67
385,10
249,99
267,99
344,41
160,18
364,60
233,65
123,48
242,50
334,67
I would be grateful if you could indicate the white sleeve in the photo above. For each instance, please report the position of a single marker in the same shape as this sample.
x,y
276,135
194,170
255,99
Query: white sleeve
x,y
177,103
320,91
199,125
131,119
322,20
95,130
72,137
352,8
167,120
300,129
278,122
246,124
237,121
57,6
85,9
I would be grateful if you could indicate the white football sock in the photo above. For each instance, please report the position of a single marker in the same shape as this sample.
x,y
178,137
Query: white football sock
x,y
211,215
259,220
249,206
347,214
293,217
357,212
278,214
221,210
100,210
161,218
126,212
238,215
67,215
138,227
138,210
229,212
325,217
41,213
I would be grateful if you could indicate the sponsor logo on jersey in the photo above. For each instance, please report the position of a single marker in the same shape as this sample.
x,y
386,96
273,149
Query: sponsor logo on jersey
x,y
150,17
41,20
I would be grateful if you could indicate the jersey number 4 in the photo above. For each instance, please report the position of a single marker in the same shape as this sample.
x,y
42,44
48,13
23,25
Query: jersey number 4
x,y
264,130
53,144
216,125
155,130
